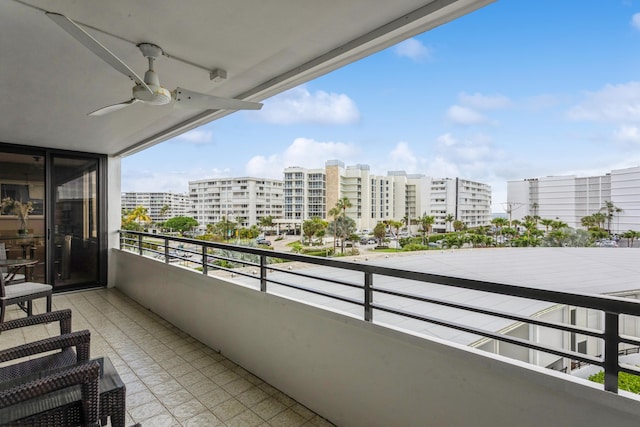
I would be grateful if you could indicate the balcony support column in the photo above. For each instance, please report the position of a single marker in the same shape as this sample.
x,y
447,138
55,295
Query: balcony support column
x,y
205,266
368,297
263,273
611,337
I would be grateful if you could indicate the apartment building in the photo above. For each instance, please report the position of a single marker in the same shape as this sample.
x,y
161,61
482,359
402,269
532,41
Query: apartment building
x,y
570,198
245,200
467,201
160,206
375,198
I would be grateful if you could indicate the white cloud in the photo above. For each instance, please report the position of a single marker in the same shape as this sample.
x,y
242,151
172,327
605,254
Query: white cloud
x,y
166,181
627,134
613,103
635,21
196,136
465,116
303,152
484,102
403,158
298,105
413,49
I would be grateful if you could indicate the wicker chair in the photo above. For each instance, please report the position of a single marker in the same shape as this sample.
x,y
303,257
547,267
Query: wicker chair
x,y
50,400
21,293
29,398
65,343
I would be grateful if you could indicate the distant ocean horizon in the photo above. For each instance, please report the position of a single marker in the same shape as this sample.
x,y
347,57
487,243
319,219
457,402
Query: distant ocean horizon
x,y
498,215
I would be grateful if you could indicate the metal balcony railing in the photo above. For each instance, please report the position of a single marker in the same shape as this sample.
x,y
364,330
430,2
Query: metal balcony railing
x,y
266,266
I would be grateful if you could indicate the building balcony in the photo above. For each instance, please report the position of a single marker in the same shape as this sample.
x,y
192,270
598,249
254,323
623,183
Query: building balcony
x,y
330,341
171,378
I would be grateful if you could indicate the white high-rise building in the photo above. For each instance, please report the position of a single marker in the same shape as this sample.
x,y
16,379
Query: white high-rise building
x,y
245,200
397,196
571,198
160,206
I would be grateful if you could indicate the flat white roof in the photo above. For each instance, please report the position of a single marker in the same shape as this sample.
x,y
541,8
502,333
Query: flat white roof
x,y
580,270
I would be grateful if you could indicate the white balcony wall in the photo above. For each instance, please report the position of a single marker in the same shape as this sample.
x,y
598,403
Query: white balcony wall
x,y
114,215
356,373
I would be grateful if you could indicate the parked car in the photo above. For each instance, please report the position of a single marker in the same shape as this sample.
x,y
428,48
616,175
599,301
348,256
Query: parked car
x,y
263,242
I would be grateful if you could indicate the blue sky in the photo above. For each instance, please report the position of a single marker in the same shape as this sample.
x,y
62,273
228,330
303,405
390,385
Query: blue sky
x,y
518,89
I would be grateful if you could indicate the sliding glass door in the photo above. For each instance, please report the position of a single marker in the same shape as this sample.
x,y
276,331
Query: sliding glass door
x,y
51,212
74,238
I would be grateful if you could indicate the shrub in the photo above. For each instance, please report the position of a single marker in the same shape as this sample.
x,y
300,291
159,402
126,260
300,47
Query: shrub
x,y
626,381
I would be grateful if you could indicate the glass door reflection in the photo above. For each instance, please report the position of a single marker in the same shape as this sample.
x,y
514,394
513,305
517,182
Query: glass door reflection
x,y
74,239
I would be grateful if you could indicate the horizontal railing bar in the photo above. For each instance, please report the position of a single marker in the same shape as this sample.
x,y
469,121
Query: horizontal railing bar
x,y
324,279
599,302
496,313
505,338
629,340
629,369
318,292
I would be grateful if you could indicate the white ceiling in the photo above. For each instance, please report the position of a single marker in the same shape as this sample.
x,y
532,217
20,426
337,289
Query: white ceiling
x,y
49,81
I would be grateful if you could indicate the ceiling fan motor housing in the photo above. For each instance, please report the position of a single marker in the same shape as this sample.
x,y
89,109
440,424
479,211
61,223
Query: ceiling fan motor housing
x,y
160,95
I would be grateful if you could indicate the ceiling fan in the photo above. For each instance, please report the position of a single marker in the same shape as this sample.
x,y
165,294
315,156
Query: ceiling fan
x,y
147,90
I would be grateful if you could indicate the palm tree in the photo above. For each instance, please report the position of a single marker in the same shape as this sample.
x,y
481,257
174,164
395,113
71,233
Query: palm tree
x,y
499,223
426,221
164,210
449,219
396,225
139,214
631,236
335,213
343,204
265,221
547,223
610,210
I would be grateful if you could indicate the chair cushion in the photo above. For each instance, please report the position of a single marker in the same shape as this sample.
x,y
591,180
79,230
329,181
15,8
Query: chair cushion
x,y
25,289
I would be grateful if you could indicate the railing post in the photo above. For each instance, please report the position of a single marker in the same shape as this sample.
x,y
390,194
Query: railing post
x,y
611,337
205,267
140,243
368,296
263,273
166,251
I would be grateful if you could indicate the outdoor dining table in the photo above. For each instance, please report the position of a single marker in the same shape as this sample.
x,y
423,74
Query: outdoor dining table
x,y
14,265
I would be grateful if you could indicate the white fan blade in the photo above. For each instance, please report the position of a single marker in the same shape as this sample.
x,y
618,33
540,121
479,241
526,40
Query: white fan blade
x,y
96,47
111,108
203,101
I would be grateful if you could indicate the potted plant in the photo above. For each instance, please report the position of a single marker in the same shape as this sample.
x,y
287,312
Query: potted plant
x,y
19,209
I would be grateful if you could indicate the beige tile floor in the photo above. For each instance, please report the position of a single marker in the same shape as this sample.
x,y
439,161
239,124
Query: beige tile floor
x,y
171,378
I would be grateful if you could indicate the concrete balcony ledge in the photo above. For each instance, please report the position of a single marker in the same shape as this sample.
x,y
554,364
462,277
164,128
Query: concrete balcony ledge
x,y
356,373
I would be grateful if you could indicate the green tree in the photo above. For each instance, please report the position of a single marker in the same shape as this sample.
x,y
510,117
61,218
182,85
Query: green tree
x,y
140,215
335,213
631,236
342,205
181,223
164,210
225,228
546,222
448,219
265,222
345,227
313,226
426,222
458,225
379,231
610,211
396,225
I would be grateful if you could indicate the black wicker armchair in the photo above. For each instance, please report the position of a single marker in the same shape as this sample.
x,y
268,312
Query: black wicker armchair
x,y
68,397
61,347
